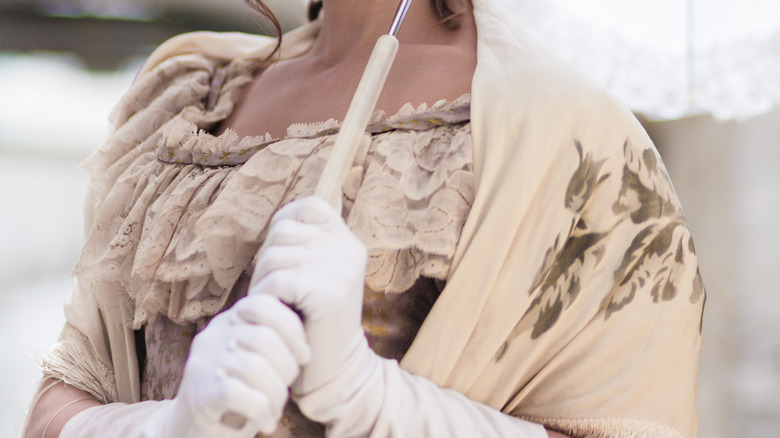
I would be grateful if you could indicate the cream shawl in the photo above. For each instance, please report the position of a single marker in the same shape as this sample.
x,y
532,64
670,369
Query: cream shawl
x,y
574,298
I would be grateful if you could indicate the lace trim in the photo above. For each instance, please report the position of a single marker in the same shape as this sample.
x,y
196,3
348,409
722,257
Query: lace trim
x,y
409,117
185,143
172,236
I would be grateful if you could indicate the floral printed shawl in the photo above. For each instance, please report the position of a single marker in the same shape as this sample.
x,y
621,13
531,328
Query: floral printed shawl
x,y
574,298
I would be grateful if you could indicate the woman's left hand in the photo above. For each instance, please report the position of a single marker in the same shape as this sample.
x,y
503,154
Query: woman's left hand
x,y
315,264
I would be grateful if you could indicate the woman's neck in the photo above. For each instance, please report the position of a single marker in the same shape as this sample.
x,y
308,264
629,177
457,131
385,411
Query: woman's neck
x,y
433,63
351,27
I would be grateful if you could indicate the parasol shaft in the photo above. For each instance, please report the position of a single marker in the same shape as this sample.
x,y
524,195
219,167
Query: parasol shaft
x,y
400,14
351,133
354,126
360,110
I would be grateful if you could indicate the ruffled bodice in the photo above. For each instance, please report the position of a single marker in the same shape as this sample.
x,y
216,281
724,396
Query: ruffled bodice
x,y
181,212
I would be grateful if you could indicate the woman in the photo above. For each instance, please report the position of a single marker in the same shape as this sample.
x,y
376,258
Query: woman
x,y
525,218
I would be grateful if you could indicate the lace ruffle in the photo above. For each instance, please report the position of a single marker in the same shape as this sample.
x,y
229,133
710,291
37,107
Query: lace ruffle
x,y
182,212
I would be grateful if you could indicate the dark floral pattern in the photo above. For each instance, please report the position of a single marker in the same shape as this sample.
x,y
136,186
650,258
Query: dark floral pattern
x,y
658,254
584,180
655,260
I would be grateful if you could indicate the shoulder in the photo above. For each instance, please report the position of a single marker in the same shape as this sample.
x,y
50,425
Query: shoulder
x,y
227,46
193,76
223,46
181,71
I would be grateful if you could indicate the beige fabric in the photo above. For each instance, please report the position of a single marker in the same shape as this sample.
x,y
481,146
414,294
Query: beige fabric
x,y
182,221
588,305
574,298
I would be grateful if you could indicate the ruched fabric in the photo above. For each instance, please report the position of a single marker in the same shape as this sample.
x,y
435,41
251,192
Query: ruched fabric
x,y
183,212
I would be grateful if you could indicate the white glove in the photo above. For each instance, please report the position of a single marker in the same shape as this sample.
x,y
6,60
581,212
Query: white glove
x,y
313,262
240,365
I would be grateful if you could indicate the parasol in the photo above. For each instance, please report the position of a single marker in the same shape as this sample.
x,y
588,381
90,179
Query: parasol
x,y
668,59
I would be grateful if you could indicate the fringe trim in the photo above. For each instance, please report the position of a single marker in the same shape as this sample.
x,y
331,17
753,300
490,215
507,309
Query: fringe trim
x,y
607,427
73,360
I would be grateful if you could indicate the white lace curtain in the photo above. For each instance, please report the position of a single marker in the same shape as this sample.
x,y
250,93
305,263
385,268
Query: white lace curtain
x,y
669,58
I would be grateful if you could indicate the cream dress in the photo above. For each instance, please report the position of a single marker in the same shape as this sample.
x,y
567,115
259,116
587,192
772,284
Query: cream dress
x,y
571,296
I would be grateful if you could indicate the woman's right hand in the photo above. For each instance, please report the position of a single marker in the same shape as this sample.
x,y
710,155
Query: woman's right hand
x,y
240,366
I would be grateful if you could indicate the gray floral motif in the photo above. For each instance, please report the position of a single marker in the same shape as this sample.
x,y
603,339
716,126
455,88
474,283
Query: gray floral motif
x,y
656,260
646,190
560,285
584,180
658,253
557,279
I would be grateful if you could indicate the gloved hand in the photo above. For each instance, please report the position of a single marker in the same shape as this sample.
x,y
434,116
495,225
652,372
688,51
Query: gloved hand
x,y
313,262
241,364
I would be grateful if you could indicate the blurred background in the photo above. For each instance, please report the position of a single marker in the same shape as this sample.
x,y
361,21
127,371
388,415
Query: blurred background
x,y
704,78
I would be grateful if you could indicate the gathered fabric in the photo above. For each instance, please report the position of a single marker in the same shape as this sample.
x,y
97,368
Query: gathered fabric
x,y
572,298
184,220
